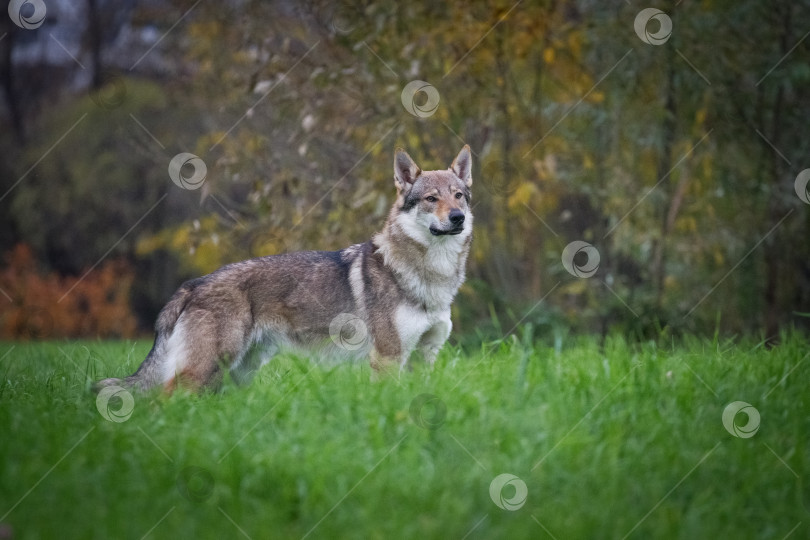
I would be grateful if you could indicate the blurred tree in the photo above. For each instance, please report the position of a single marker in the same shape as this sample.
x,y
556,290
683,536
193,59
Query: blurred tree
x,y
104,185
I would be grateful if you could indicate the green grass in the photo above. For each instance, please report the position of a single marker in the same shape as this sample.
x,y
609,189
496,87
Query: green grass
x,y
609,439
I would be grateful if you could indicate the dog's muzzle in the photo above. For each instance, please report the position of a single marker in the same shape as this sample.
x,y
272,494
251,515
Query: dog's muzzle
x,y
456,219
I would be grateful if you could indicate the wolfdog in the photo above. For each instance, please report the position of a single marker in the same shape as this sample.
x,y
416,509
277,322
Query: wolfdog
x,y
385,298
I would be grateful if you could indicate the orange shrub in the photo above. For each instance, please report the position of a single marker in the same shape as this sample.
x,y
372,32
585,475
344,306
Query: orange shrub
x,y
35,305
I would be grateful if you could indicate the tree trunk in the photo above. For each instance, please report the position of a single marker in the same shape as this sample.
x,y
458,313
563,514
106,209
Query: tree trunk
x,y
664,167
7,79
94,29
773,251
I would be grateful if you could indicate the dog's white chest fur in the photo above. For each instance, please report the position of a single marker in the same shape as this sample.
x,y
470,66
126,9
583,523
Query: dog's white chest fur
x,y
435,276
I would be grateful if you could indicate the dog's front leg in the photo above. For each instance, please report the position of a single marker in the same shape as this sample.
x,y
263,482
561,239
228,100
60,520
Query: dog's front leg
x,y
384,365
431,342
387,354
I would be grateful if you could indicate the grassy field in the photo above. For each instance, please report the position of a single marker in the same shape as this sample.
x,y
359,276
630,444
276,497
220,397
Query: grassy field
x,y
610,441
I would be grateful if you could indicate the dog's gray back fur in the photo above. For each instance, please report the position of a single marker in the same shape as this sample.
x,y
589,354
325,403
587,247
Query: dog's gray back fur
x,y
397,288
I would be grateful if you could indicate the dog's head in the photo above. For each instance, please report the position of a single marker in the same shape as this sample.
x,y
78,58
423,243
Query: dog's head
x,y
433,204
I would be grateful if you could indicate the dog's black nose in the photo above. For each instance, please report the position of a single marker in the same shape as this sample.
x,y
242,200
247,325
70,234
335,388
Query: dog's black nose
x,y
456,216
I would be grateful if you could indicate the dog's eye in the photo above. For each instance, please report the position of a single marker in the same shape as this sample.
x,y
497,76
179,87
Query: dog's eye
x,y
431,198
458,195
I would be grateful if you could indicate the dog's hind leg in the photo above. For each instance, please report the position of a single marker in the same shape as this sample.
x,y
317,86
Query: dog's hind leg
x,y
153,370
208,344
258,353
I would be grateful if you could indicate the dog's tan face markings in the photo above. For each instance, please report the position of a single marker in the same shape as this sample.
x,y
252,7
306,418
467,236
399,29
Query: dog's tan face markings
x,y
440,199
441,193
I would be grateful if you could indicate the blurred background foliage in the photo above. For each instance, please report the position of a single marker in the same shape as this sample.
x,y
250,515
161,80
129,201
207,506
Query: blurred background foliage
x,y
677,162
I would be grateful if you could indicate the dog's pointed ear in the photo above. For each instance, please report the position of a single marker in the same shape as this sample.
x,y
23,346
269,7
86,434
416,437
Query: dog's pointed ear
x,y
462,165
405,170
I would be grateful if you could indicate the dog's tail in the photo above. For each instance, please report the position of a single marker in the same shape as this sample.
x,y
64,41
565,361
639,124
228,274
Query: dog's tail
x,y
151,372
